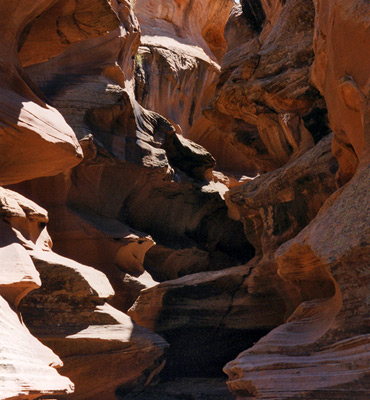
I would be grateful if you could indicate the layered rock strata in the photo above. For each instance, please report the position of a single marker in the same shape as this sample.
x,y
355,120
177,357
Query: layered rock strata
x,y
140,182
177,69
70,312
35,139
321,351
137,157
27,366
264,99
70,315
327,335
276,266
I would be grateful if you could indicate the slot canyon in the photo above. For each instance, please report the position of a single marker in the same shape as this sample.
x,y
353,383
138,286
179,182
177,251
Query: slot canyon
x,y
185,200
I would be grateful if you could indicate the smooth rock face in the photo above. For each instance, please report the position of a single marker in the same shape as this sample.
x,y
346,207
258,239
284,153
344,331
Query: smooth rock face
x,y
340,72
70,315
27,367
35,140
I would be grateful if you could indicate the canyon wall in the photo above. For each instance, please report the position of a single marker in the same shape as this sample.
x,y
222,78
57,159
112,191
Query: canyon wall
x,y
185,191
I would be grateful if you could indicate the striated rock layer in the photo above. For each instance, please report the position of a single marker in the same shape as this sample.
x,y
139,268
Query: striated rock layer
x,y
159,96
69,313
321,352
264,99
27,366
177,69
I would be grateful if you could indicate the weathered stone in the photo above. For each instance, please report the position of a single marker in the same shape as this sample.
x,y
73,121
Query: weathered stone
x,y
264,90
69,314
275,206
207,317
322,351
342,78
177,69
27,367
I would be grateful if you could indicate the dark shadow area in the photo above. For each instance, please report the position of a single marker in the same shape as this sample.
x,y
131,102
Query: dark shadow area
x,y
254,13
197,352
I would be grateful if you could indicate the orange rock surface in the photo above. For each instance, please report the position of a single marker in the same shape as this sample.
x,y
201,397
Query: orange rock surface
x,y
199,173
27,366
177,69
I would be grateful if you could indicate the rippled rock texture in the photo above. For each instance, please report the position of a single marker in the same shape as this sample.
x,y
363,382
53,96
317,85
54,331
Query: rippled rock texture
x,y
202,169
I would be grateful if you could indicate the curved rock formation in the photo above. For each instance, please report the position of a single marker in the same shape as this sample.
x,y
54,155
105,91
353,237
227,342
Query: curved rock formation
x,y
70,315
177,69
216,206
35,139
264,98
327,335
27,367
343,79
321,351
69,312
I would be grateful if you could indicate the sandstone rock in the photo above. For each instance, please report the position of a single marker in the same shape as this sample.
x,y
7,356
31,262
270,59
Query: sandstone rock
x,y
35,139
128,151
26,364
207,317
327,335
146,198
177,69
62,24
132,287
189,157
27,367
70,315
199,25
165,264
264,96
342,79
275,206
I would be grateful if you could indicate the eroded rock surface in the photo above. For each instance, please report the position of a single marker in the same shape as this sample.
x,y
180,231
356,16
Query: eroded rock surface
x,y
215,310
268,254
340,72
70,315
177,69
27,367
328,334
35,139
321,351
264,98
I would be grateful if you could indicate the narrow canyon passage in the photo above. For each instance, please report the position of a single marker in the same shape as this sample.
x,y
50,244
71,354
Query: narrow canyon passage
x,y
184,200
